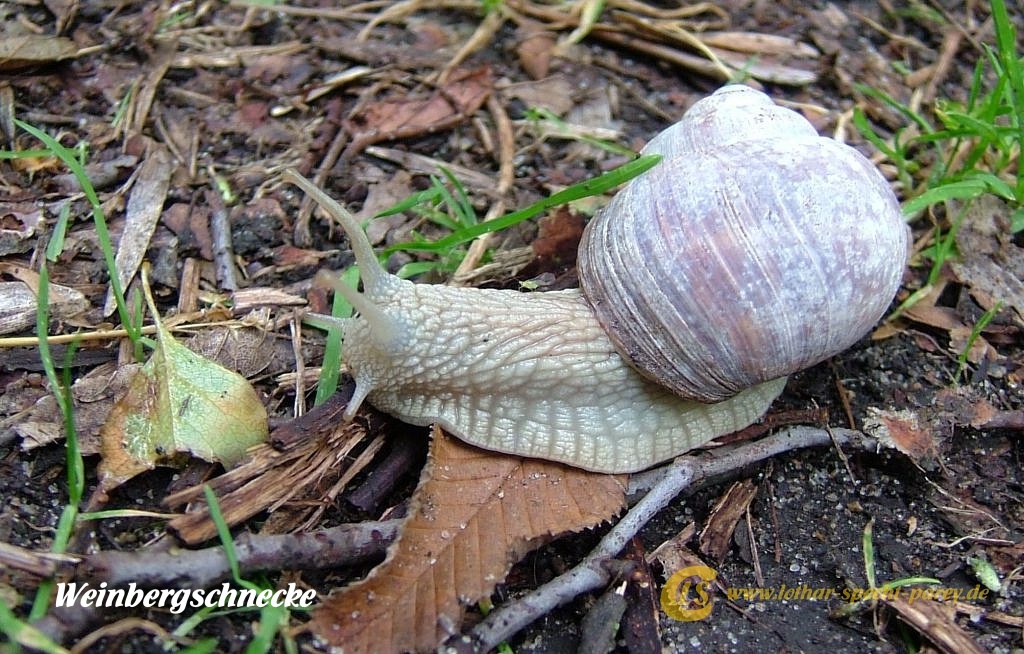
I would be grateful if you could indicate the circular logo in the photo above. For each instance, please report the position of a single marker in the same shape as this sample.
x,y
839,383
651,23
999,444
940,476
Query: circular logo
x,y
685,595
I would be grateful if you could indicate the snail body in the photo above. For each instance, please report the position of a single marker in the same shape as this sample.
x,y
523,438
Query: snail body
x,y
707,245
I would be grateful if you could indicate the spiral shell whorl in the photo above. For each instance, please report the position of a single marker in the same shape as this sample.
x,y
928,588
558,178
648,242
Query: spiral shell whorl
x,y
755,249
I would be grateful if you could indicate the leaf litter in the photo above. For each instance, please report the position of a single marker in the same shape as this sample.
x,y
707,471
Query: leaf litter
x,y
474,514
245,141
178,402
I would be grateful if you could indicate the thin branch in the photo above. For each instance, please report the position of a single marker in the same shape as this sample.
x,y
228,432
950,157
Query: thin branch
x,y
591,573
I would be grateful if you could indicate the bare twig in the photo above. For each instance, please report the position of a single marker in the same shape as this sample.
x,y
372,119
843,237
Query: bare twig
x,y
684,473
223,254
506,152
342,545
302,234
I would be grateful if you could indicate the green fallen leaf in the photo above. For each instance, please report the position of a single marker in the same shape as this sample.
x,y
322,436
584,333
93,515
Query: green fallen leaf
x,y
179,402
986,574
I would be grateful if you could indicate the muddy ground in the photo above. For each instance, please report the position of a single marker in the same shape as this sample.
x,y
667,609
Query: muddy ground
x,y
226,90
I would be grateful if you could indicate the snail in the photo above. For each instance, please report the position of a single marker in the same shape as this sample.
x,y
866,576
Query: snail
x,y
754,249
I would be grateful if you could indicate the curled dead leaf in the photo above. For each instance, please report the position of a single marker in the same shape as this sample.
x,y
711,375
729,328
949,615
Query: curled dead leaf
x,y
475,513
903,431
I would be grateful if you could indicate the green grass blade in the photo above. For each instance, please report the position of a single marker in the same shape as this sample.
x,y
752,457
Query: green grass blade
x,y
591,187
965,189
447,200
983,321
25,634
892,103
204,646
72,162
330,369
24,154
61,389
271,617
423,197
1013,72
416,268
868,544
56,244
461,205
224,534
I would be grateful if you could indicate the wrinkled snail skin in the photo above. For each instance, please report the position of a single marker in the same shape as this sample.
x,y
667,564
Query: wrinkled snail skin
x,y
537,374
530,374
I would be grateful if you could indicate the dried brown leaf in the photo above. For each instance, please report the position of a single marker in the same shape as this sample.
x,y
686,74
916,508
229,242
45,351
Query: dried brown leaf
x,y
93,394
18,223
191,224
991,263
102,174
249,351
475,513
559,237
674,554
144,208
945,318
18,305
32,49
980,349
554,93
436,110
534,48
904,431
963,405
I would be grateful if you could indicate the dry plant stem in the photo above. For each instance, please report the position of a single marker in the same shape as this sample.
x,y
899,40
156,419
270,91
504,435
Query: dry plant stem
x,y
506,176
947,55
684,473
147,92
303,237
480,182
346,544
723,461
295,329
372,493
361,11
485,31
119,628
180,324
223,255
932,620
39,564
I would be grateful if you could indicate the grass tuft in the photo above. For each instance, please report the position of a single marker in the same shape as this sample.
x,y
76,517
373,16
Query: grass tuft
x,y
74,160
962,150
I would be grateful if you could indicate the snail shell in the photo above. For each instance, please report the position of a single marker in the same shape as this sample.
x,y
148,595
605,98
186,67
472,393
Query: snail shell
x,y
755,249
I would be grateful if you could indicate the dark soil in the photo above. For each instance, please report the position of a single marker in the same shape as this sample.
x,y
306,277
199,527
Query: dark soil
x,y
962,498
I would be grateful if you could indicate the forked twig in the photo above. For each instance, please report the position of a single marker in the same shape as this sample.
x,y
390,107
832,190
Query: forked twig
x,y
685,473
